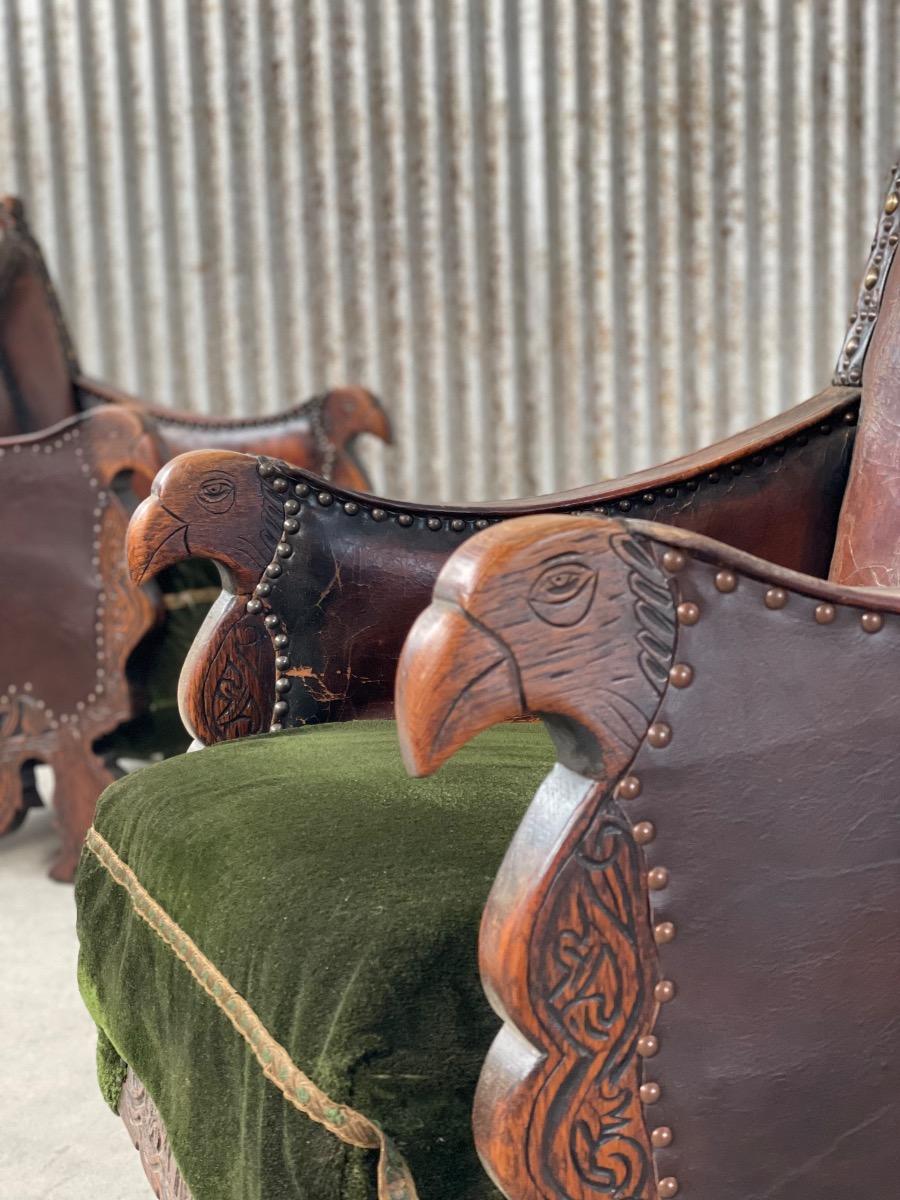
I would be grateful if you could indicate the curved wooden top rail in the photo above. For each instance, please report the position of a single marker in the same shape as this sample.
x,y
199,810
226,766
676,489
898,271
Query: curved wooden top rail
x,y
317,434
818,414
323,583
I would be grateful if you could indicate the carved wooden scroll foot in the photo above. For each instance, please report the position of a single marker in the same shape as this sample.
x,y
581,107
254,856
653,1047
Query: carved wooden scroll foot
x,y
148,1135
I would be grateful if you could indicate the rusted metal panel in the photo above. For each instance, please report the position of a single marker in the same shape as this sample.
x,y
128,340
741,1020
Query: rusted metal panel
x,y
563,239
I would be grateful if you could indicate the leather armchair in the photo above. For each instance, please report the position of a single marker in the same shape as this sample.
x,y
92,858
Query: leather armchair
x,y
707,864
74,456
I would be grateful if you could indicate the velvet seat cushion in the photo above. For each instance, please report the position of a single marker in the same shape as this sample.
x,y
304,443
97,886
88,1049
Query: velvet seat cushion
x,y
341,900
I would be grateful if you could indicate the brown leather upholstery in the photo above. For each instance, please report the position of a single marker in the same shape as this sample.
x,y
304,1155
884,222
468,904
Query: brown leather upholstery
x,y
63,506
36,360
739,848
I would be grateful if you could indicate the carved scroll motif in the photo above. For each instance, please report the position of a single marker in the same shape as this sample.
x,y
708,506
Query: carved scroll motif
x,y
592,967
238,681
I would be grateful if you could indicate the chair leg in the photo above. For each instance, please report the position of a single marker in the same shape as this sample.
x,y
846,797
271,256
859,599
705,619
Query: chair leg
x,y
80,778
12,803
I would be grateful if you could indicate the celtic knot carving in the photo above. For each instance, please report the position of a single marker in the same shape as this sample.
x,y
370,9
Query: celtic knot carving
x,y
590,951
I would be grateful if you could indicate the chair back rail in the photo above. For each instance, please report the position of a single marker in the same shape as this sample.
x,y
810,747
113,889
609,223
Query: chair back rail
x,y
318,434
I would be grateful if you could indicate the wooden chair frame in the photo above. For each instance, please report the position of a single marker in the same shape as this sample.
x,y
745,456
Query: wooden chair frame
x,y
97,446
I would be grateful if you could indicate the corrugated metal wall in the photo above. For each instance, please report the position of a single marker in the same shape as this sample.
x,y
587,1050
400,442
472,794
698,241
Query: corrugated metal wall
x,y
562,239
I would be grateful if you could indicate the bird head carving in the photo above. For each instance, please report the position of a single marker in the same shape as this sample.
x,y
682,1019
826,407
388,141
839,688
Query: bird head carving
x,y
569,618
207,504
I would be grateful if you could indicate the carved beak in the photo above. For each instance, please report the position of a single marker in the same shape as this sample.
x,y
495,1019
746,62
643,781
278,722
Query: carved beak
x,y
370,413
454,680
156,539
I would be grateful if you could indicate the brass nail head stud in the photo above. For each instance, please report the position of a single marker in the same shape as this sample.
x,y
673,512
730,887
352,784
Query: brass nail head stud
x,y
726,581
673,560
688,613
871,622
630,787
663,933
776,598
661,1137
644,832
890,205
681,675
668,1187
657,879
659,735
664,991
647,1045
650,1093
825,613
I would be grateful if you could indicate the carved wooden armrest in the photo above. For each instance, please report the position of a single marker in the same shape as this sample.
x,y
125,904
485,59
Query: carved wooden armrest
x,y
691,942
323,583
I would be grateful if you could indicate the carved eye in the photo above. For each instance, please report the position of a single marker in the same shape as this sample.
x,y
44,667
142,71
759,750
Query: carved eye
x,y
216,493
562,593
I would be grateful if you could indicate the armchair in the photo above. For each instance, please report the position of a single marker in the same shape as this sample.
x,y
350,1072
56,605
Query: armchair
x,y
72,452
278,933
691,942
302,559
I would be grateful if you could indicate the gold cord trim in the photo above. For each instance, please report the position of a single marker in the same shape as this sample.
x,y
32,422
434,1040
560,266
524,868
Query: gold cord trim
x,y
394,1179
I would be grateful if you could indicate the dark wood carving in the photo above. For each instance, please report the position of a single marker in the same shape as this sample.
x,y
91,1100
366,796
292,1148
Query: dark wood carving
x,y
73,615
567,955
148,1135
629,926
340,576
216,505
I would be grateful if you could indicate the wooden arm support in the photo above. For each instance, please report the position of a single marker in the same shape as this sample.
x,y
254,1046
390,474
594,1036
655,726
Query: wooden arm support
x,y
323,583
689,941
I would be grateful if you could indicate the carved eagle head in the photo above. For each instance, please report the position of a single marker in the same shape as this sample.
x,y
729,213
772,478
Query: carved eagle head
x,y
207,504
569,618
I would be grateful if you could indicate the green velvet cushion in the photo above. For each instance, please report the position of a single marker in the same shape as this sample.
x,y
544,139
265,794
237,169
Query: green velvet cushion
x,y
342,900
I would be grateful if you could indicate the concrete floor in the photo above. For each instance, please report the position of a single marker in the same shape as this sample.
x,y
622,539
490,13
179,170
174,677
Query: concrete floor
x,y
57,1138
